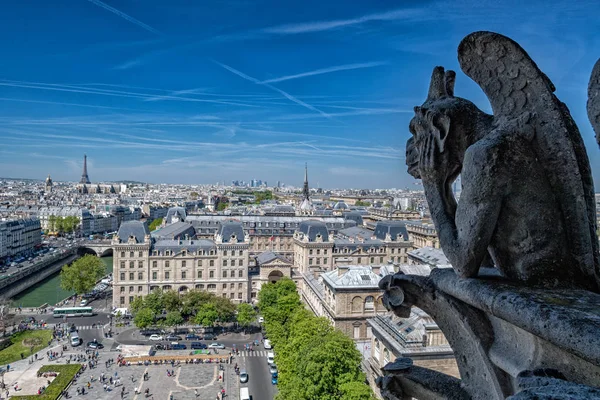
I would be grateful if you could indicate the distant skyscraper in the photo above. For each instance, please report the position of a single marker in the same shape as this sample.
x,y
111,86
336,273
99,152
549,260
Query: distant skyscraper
x,y
84,177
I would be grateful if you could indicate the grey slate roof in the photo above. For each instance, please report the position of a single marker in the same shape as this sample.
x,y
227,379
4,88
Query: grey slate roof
x,y
394,228
431,256
229,228
312,228
175,231
178,245
269,256
133,228
356,277
354,216
174,211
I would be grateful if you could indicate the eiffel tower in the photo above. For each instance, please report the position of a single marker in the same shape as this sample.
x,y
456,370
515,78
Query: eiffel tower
x,y
84,177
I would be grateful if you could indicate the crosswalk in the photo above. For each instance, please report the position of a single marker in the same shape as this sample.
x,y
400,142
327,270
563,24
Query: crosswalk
x,y
255,353
80,328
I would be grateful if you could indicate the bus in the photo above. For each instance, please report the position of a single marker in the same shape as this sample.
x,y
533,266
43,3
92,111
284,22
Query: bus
x,y
73,312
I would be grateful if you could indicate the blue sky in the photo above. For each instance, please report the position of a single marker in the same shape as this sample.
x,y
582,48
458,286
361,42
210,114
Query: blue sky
x,y
185,91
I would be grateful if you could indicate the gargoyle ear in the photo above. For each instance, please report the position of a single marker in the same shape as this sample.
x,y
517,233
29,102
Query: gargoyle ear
x,y
441,127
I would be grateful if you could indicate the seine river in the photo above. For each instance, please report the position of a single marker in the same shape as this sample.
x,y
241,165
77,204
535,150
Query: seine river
x,y
49,290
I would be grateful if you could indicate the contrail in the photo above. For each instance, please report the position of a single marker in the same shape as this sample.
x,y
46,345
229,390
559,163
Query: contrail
x,y
125,16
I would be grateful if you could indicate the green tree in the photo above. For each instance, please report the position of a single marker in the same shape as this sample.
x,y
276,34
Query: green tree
x,y
245,314
171,301
194,195
207,314
144,318
225,308
356,390
52,223
153,301
362,203
173,318
59,224
222,205
155,224
193,299
81,276
137,304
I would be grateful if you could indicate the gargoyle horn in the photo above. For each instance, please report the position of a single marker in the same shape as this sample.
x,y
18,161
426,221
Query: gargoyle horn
x,y
442,84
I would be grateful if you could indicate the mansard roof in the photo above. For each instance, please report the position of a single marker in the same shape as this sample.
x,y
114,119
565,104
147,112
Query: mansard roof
x,y
137,229
314,228
229,228
393,228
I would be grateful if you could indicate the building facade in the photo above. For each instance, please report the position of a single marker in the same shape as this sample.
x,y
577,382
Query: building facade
x,y
347,296
142,264
19,236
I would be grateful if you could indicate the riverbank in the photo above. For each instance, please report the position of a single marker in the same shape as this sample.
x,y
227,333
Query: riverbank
x,y
49,291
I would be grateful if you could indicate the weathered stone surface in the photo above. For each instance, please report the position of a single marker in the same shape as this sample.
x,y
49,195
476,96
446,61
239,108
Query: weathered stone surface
x,y
593,105
547,384
499,329
528,195
402,380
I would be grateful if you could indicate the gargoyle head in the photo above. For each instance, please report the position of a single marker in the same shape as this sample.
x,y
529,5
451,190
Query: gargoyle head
x,y
453,121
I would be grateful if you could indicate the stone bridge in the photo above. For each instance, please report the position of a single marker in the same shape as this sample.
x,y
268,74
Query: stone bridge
x,y
100,248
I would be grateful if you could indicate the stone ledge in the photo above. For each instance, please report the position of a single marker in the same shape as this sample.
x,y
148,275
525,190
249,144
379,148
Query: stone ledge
x,y
567,318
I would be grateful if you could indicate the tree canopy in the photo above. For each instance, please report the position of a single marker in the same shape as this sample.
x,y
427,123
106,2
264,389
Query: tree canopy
x,y
155,224
184,307
245,314
144,318
315,361
81,276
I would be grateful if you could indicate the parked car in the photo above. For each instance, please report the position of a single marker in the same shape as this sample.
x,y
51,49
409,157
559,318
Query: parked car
x,y
198,345
268,344
209,336
191,336
243,376
95,345
261,319
177,346
216,346
148,332
274,379
159,346
270,358
83,303
156,337
173,338
273,369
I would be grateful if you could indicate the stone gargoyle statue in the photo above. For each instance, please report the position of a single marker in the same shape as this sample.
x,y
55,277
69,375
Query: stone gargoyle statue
x,y
593,105
527,192
528,325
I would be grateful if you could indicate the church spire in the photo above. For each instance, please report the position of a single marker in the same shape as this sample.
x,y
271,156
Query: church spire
x,y
84,176
305,190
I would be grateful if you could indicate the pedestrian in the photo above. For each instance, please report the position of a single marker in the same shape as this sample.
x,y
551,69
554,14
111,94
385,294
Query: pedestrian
x,y
196,392
104,387
132,380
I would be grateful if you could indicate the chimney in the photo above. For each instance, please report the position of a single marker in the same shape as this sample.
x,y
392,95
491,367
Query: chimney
x,y
342,269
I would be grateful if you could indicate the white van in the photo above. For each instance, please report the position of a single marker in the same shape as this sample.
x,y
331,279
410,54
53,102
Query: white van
x,y
75,339
268,344
270,358
244,394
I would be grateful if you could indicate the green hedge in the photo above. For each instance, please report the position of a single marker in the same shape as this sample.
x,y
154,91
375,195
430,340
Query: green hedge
x,y
66,373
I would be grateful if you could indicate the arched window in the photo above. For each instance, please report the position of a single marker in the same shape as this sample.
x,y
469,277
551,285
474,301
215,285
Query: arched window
x,y
379,304
377,349
386,356
357,304
369,303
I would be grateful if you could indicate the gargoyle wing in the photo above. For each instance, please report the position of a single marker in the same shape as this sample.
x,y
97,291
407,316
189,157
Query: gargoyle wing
x,y
593,105
514,85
